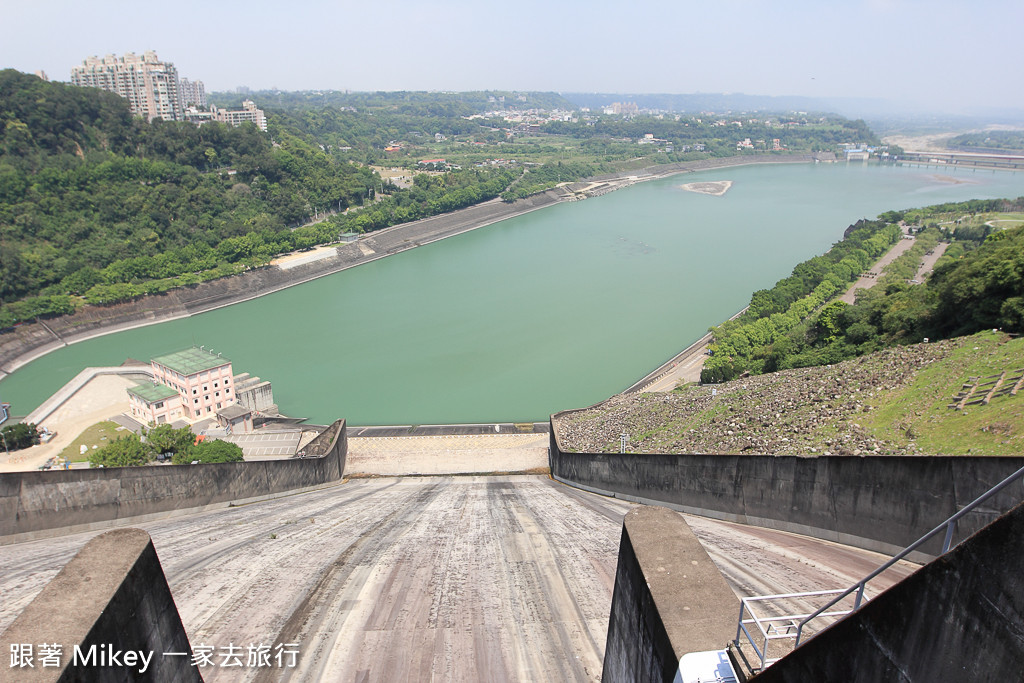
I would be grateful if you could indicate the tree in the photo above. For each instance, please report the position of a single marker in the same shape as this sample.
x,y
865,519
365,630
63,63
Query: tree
x,y
125,451
166,439
16,437
209,452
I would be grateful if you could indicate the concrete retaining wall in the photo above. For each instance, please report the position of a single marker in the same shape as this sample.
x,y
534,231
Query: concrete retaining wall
x,y
27,342
957,619
669,599
37,504
112,596
881,503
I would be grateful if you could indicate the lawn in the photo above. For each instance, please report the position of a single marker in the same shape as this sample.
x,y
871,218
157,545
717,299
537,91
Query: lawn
x,y
94,437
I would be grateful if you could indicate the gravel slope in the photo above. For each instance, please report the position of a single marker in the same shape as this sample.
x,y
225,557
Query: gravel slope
x,y
806,411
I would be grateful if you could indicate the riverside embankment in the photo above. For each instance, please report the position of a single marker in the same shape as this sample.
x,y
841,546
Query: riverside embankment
x,y
27,342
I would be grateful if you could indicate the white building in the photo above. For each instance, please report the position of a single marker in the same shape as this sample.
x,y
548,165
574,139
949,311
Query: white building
x,y
248,112
192,93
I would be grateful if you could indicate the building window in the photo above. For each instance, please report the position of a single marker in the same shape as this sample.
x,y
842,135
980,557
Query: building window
x,y
218,406
214,385
217,394
157,406
195,391
195,400
207,408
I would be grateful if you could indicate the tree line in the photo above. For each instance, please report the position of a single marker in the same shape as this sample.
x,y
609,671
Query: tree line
x,y
978,284
180,446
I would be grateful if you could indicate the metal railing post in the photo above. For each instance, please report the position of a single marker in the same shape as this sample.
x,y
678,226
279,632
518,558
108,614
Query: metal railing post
x,y
860,595
739,624
949,537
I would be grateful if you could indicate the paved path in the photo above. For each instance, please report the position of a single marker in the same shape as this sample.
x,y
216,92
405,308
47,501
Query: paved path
x,y
928,262
77,383
870,281
685,369
420,578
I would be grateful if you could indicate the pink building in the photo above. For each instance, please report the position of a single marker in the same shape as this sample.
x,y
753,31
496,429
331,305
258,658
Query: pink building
x,y
155,403
201,378
190,385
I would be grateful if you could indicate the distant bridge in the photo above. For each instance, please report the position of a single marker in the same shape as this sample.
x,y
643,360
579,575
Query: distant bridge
x,y
1013,162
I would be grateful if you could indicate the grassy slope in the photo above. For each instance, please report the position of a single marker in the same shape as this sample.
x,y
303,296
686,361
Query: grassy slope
x,y
919,412
891,402
96,436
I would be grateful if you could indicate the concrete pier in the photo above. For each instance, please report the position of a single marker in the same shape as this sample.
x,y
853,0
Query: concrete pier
x,y
111,598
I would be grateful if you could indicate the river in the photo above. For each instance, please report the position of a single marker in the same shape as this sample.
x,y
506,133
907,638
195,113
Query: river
x,y
551,310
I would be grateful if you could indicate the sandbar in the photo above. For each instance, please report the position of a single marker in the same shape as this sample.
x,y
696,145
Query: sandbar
x,y
712,187
951,180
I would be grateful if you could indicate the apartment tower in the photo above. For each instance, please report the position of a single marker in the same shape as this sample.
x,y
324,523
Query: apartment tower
x,y
149,85
192,93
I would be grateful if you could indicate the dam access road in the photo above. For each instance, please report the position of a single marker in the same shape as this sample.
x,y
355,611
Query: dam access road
x,y
499,578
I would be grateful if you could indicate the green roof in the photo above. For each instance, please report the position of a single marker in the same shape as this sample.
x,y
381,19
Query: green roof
x,y
152,392
190,361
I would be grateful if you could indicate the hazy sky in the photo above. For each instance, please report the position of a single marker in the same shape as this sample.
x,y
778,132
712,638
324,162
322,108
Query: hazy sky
x,y
950,55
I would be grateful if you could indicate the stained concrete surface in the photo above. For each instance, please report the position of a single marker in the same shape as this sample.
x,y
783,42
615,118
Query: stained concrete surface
x,y
112,595
446,454
455,578
670,599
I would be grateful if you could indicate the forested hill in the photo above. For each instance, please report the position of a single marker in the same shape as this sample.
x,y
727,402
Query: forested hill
x,y
84,185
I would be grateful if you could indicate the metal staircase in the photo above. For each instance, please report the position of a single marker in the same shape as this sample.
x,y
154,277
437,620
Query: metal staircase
x,y
763,622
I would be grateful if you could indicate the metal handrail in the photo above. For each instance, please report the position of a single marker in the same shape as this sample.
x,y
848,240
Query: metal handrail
x,y
859,588
949,525
767,627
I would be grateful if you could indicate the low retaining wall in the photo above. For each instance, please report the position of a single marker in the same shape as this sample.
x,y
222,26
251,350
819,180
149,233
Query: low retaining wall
x,y
956,619
112,597
880,503
38,504
669,600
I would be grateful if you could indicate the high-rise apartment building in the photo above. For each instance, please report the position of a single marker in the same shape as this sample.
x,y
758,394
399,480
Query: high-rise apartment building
x,y
149,85
192,93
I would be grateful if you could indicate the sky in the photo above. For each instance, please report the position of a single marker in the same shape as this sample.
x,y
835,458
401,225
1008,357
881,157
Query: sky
x,y
944,55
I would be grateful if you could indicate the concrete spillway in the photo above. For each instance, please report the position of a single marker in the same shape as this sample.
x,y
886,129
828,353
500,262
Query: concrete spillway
x,y
462,578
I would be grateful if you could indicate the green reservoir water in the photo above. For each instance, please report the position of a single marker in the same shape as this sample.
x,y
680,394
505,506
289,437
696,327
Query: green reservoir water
x,y
556,309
